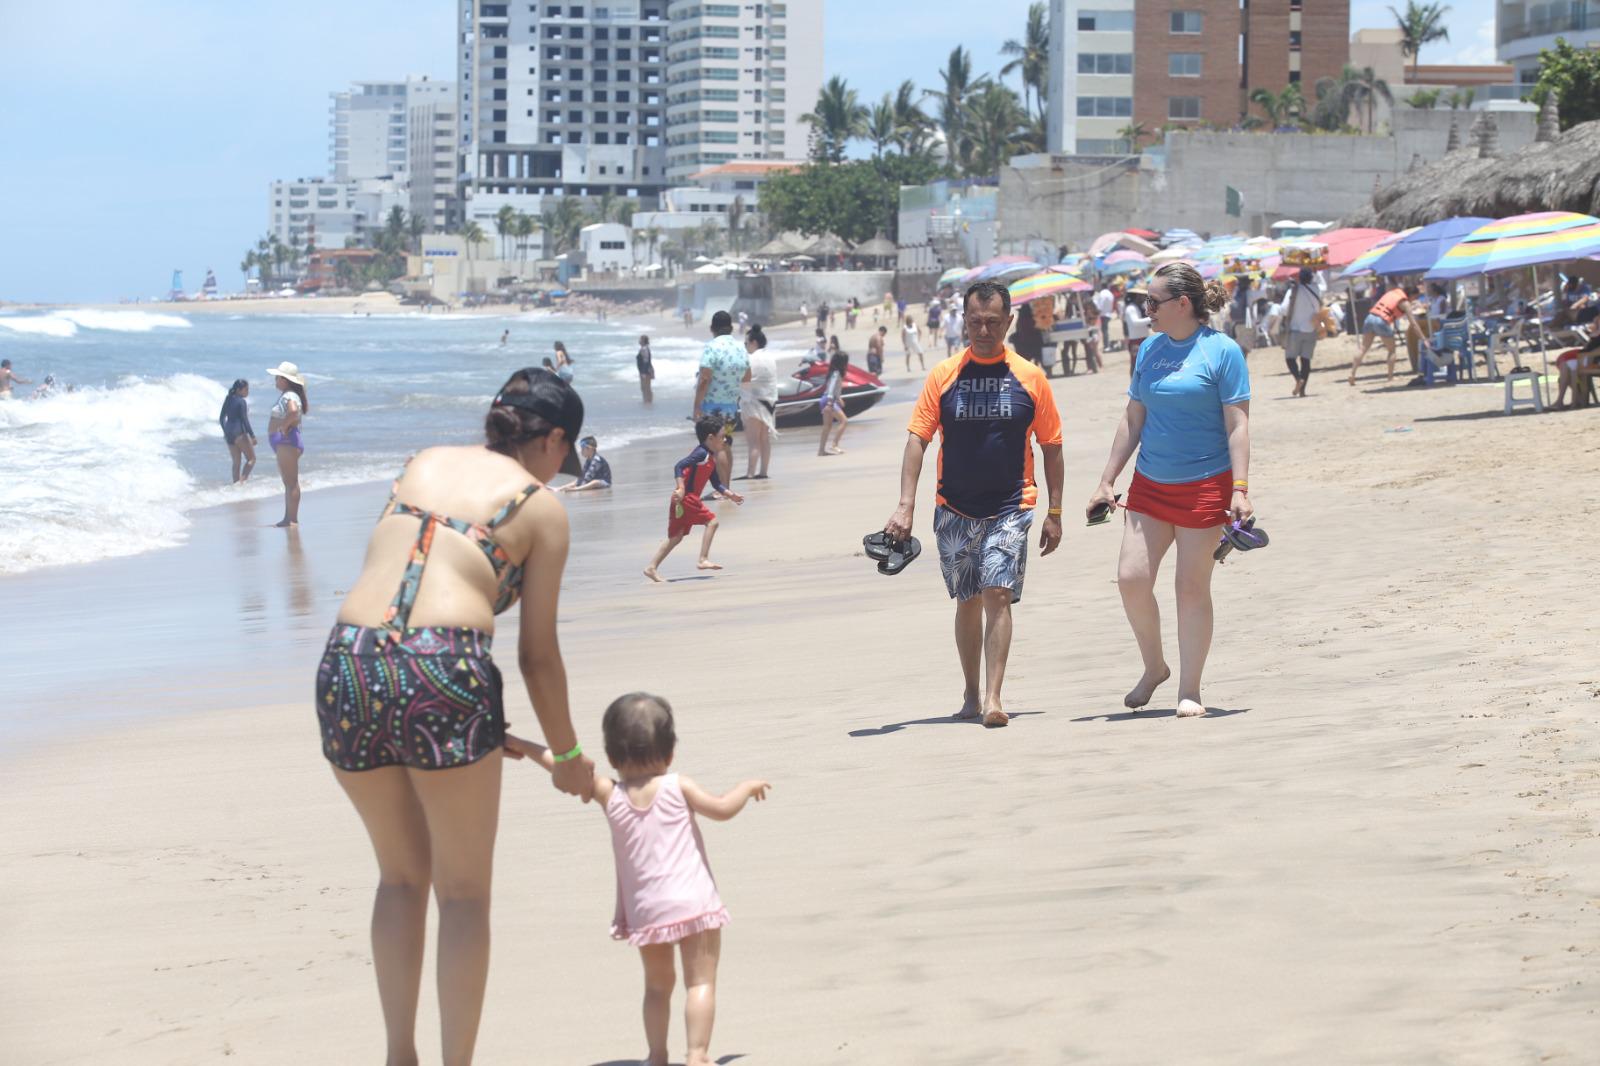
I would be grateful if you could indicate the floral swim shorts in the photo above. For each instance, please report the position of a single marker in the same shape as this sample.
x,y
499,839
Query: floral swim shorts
x,y
982,553
430,700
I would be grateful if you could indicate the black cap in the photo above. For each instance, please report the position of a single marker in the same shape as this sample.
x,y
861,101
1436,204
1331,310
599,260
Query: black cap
x,y
556,402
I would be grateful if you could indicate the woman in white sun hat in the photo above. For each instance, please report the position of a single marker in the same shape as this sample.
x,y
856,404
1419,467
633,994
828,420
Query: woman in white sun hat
x,y
283,433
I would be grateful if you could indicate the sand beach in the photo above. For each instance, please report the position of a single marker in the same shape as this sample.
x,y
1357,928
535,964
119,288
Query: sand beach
x,y
1379,846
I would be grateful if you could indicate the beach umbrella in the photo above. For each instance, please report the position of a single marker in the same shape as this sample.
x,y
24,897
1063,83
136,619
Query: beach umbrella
x,y
1075,269
952,276
1107,241
1148,235
1044,284
708,269
1126,255
1127,266
1173,254
1345,244
1519,241
1002,266
1420,248
1362,264
1179,236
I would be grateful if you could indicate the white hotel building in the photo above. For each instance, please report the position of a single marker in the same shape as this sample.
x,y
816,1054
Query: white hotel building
x,y
581,98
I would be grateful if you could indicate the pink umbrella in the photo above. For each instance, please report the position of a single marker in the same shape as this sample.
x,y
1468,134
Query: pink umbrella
x,y
1125,255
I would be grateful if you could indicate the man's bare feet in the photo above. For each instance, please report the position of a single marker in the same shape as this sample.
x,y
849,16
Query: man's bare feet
x,y
650,572
970,708
1141,693
285,524
1191,709
995,718
707,564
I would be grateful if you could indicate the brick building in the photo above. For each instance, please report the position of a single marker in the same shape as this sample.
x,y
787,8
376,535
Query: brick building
x,y
1198,60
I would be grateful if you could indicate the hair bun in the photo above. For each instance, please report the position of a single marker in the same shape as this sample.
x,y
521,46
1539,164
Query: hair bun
x,y
1216,296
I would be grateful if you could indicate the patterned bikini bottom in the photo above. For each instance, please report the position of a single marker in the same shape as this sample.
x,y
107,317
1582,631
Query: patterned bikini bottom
x,y
430,700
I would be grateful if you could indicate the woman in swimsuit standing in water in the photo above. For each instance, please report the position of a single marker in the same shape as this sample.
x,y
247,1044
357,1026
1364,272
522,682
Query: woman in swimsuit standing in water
x,y
410,702
283,433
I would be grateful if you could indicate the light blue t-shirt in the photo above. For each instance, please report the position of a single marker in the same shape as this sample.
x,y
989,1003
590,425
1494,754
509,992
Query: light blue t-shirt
x,y
727,361
1183,386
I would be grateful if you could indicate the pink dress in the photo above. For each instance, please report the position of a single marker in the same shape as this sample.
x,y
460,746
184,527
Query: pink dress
x,y
665,891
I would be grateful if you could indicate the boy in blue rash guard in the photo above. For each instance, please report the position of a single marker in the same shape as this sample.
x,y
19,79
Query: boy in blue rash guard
x,y
687,510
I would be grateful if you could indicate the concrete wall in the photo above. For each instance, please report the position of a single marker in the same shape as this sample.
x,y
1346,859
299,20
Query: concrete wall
x,y
777,297
1282,176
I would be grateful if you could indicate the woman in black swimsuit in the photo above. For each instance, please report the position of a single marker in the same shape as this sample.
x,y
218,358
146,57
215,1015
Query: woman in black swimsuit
x,y
409,700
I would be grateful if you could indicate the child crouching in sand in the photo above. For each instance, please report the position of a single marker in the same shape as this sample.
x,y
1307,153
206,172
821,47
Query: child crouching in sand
x,y
665,892
686,509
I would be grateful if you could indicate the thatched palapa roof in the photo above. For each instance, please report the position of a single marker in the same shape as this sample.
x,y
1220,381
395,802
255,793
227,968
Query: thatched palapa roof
x,y
1556,175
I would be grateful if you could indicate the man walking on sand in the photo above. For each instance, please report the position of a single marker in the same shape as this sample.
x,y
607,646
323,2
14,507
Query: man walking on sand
x,y
988,404
723,364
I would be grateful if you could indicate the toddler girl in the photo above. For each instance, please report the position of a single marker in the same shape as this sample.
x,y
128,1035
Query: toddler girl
x,y
665,892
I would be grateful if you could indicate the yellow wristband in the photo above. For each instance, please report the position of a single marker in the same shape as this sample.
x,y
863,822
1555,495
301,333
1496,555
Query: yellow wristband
x,y
1055,511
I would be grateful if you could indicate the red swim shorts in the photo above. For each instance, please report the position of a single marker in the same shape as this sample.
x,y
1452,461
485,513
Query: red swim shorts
x,y
1191,504
694,514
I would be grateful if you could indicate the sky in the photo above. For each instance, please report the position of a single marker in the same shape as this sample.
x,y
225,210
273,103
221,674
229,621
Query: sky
x,y
141,137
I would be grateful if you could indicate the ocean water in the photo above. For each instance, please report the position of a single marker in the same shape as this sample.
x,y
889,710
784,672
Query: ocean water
x,y
118,466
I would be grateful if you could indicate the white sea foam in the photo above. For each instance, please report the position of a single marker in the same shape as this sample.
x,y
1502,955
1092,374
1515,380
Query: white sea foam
x,y
67,323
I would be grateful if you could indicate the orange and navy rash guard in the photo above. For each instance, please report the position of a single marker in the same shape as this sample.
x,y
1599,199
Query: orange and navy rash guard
x,y
987,410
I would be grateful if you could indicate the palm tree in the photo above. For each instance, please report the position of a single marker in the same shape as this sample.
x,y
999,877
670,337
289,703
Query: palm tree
x,y
837,118
1032,55
881,126
992,118
958,82
473,234
417,227
911,124
1282,109
1365,89
522,228
562,223
504,220
1421,24
652,238
735,222
1133,133
247,265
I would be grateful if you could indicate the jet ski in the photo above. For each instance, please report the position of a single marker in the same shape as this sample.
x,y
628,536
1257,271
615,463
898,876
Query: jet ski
x,y
798,396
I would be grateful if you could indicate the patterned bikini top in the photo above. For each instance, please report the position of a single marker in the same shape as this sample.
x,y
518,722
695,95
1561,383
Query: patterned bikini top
x,y
398,616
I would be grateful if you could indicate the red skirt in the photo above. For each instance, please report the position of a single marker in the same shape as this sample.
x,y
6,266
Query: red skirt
x,y
695,513
1191,504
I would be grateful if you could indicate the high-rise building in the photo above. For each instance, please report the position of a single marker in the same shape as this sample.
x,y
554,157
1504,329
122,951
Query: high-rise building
x,y
431,130
739,76
367,131
1165,64
1524,28
561,99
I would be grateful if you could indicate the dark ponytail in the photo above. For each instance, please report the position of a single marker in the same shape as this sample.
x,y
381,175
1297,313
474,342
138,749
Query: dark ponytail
x,y
757,336
506,428
300,391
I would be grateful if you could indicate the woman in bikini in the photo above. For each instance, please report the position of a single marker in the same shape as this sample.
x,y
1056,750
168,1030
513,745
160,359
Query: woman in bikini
x,y
283,434
409,700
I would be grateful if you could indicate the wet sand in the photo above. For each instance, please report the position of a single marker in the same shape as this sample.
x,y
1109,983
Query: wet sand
x,y
1380,845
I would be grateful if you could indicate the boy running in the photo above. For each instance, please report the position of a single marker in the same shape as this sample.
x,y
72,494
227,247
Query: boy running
x,y
686,510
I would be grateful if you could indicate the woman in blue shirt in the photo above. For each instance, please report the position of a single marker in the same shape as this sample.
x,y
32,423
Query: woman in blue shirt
x,y
235,421
1188,416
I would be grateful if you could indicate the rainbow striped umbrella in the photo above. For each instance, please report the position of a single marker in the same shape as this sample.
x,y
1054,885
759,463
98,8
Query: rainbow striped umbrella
x,y
952,276
1519,241
1001,267
1048,283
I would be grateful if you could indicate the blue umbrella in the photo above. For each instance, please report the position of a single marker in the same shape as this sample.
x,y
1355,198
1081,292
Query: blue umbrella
x,y
1420,251
1179,236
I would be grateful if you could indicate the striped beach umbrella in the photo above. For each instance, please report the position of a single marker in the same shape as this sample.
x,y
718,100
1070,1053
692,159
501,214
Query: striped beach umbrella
x,y
1519,241
1362,264
1126,255
1420,249
952,276
1002,266
1040,286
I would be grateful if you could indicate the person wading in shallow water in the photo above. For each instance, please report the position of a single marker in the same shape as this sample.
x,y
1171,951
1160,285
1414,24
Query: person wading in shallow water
x,y
988,404
283,434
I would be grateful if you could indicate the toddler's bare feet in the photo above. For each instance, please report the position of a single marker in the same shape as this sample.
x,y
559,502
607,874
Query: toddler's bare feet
x,y
650,572
1191,709
707,564
1141,693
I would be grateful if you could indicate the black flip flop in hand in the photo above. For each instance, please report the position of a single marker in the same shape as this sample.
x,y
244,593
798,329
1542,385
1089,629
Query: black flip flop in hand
x,y
892,555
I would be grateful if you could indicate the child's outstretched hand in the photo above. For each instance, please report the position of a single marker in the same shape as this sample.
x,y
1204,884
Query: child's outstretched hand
x,y
758,789
735,497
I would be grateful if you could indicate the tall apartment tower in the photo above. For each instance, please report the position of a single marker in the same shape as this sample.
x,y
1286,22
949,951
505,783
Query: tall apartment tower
x,y
367,131
431,130
560,99
1187,69
739,76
